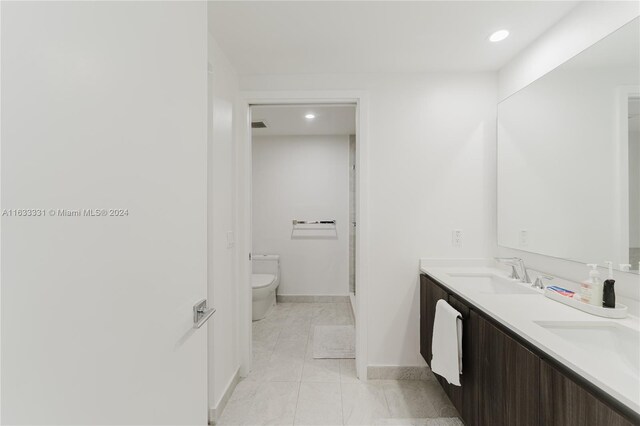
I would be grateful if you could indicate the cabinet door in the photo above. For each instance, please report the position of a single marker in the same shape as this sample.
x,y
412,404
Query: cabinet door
x,y
430,293
465,397
565,403
509,379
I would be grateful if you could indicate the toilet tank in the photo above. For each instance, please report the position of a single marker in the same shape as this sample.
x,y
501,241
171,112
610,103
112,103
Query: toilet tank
x,y
266,264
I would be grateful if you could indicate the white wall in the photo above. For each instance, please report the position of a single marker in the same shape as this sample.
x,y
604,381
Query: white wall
x,y
588,23
223,292
432,163
306,178
104,106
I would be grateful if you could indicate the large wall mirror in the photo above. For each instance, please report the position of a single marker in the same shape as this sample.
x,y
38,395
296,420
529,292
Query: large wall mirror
x,y
569,157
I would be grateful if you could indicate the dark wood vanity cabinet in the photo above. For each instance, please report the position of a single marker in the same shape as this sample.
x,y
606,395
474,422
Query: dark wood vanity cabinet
x,y
463,397
508,379
430,293
565,403
504,382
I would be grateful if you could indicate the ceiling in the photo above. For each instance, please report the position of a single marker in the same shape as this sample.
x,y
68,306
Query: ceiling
x,y
290,119
300,37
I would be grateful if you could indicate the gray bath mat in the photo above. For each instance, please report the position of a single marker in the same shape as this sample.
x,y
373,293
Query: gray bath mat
x,y
334,341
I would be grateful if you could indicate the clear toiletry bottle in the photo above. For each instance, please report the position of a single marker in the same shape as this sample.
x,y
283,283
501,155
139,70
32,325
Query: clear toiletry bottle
x,y
589,288
596,285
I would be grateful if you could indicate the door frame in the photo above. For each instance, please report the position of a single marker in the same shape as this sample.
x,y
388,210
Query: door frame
x,y
243,203
621,167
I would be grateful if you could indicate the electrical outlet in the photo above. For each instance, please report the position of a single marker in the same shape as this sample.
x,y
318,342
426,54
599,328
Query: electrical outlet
x,y
523,238
457,238
230,240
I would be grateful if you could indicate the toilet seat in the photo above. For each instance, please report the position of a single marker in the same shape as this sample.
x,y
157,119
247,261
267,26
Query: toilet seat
x,y
262,280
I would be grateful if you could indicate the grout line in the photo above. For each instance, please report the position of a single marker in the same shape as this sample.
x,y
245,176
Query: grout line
x,y
304,363
342,403
297,399
386,401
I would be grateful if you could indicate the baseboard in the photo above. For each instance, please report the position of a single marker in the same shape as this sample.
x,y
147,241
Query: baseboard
x,y
215,413
395,372
303,298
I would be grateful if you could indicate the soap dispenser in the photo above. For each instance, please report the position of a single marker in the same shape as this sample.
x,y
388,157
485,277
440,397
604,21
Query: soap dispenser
x,y
609,294
596,285
591,289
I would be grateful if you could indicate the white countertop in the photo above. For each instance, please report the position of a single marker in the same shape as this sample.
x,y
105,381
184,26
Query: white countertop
x,y
519,313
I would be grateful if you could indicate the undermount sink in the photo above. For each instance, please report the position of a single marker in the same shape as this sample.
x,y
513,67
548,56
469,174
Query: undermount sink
x,y
490,284
607,342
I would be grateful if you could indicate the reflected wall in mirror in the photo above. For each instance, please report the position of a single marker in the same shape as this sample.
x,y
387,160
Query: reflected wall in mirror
x,y
569,157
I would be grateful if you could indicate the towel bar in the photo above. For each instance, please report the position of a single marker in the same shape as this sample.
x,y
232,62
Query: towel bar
x,y
313,222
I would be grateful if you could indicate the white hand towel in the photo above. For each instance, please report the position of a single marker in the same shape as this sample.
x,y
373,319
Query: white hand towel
x,y
446,344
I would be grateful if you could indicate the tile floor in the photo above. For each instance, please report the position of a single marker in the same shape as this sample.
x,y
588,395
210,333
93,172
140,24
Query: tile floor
x,y
287,386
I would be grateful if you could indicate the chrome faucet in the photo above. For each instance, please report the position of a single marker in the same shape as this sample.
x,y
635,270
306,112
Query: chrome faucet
x,y
540,281
513,262
525,273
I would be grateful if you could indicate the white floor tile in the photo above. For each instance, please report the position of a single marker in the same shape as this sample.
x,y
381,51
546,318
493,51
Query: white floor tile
x,y
237,409
290,349
440,401
408,399
274,403
362,403
319,404
321,370
288,386
348,371
283,369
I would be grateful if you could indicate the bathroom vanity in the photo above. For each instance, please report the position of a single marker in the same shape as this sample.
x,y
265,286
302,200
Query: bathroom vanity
x,y
568,187
525,358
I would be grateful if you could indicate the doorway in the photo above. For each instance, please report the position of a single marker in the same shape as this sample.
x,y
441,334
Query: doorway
x,y
357,101
302,196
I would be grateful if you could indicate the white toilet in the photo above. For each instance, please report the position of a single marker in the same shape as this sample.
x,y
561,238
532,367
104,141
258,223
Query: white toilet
x,y
264,282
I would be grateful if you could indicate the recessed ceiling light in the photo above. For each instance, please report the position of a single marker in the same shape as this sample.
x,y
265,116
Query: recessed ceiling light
x,y
499,35
310,116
